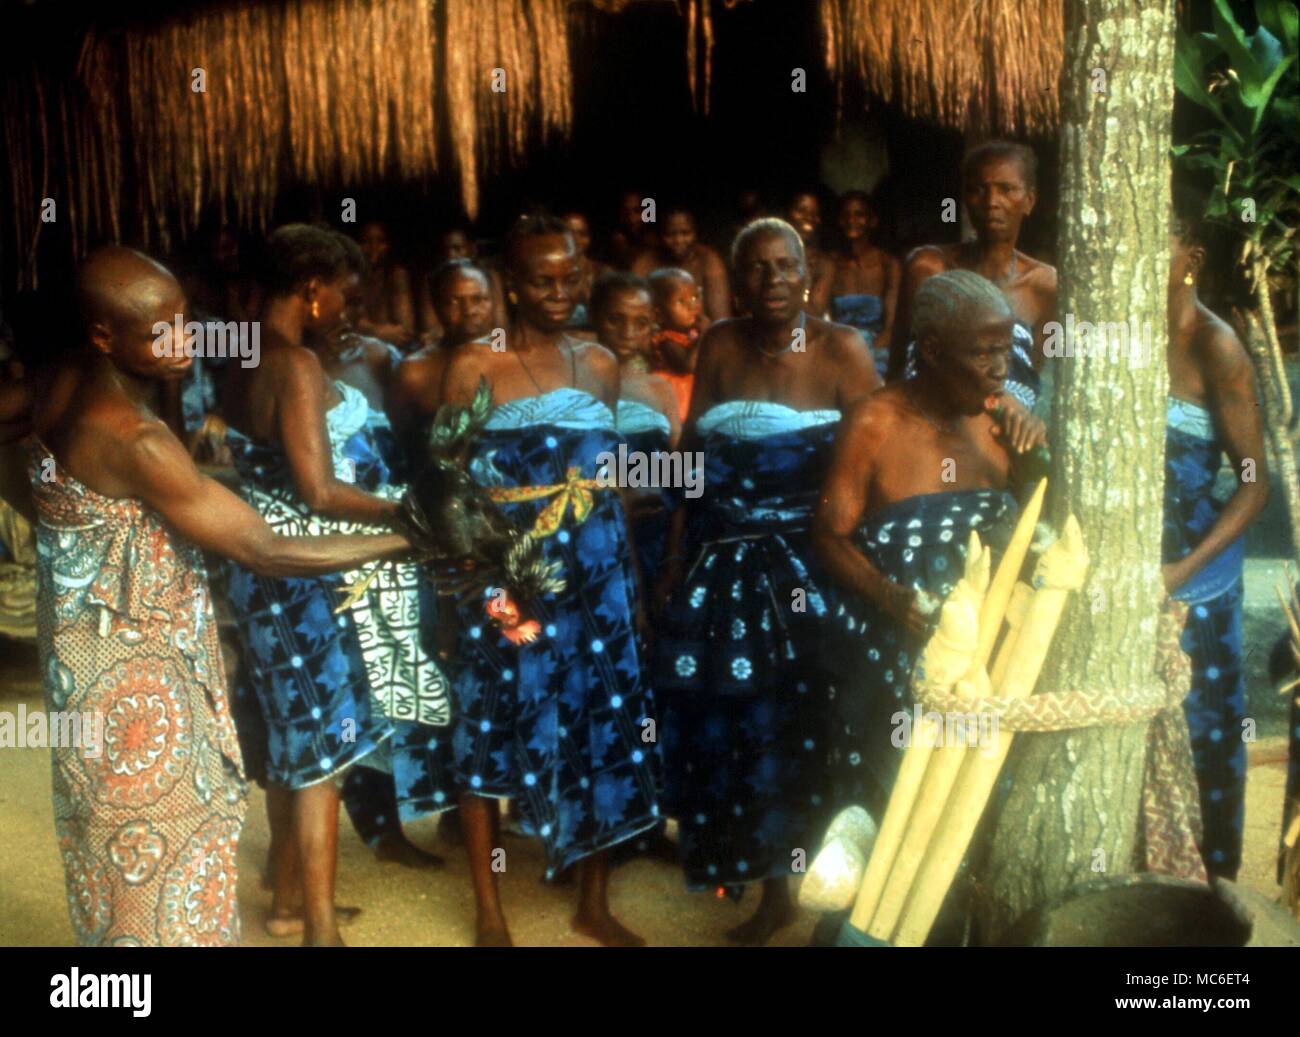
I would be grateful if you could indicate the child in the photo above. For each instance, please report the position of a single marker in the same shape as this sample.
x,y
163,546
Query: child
x,y
680,322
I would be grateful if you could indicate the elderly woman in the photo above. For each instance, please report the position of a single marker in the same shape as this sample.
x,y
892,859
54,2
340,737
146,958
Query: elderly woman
x,y
892,526
745,711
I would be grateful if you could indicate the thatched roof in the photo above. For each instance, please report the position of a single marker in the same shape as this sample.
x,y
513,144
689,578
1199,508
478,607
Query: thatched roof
x,y
992,65
340,93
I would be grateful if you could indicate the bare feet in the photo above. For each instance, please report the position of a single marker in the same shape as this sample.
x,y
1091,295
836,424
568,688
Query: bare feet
x,y
293,924
606,930
395,847
769,917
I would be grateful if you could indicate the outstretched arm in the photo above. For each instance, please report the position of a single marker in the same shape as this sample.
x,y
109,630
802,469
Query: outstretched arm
x,y
157,469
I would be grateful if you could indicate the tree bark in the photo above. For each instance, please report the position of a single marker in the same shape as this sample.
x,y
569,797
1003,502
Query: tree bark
x,y
1074,801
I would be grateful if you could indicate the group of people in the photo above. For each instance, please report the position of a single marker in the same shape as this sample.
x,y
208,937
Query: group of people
x,y
729,660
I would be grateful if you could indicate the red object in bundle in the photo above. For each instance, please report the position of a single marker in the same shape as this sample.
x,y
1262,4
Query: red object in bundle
x,y
502,610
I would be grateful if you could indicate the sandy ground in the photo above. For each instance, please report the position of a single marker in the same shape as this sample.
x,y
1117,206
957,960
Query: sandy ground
x,y
403,907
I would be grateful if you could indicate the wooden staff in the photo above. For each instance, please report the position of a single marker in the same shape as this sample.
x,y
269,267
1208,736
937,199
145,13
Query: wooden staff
x,y
1060,571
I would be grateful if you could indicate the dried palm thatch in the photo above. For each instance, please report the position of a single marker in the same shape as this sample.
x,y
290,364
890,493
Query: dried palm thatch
x,y
987,65
507,74
333,92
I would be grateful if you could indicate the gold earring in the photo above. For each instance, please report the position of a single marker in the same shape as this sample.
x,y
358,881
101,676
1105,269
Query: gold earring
x,y
1188,279
315,309
513,298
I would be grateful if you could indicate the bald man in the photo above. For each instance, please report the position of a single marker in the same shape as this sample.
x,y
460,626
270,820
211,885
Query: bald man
x,y
894,520
148,784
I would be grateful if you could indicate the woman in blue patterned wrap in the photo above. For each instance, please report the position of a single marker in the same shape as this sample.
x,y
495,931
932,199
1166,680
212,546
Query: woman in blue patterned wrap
x,y
1212,410
332,688
860,280
893,525
563,725
745,711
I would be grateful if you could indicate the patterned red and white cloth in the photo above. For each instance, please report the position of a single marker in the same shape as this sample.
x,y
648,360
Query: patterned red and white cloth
x,y
148,807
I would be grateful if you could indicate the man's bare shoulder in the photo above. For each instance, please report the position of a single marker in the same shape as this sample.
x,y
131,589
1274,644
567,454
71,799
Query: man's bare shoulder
x,y
114,447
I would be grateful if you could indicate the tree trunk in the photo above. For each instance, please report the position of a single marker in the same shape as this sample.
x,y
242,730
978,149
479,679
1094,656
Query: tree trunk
x,y
1072,811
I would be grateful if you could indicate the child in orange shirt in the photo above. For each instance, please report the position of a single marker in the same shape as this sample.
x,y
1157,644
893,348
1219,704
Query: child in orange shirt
x,y
680,321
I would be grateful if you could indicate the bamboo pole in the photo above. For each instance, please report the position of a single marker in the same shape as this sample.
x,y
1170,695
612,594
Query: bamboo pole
x,y
944,761
1060,571
916,758
945,660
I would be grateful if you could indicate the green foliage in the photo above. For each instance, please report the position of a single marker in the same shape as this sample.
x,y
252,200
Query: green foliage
x,y
1251,86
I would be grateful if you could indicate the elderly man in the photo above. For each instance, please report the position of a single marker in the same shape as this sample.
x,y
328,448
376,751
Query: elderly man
x,y
148,812
917,466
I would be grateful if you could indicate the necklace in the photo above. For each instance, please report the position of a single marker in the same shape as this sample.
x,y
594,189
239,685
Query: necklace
x,y
803,321
573,368
911,398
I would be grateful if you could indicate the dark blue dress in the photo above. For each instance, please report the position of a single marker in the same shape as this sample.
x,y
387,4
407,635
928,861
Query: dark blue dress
x,y
1216,705
647,431
333,690
745,712
919,542
866,313
565,725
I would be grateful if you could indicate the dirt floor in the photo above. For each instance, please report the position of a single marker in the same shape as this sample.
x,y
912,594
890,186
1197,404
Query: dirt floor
x,y
403,907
